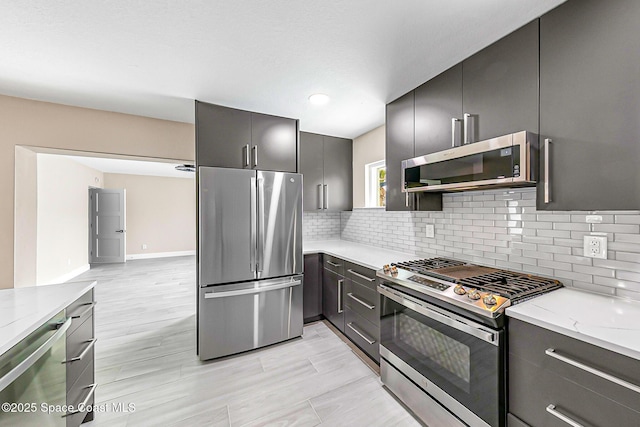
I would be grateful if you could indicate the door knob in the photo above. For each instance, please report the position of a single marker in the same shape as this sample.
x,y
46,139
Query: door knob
x,y
120,231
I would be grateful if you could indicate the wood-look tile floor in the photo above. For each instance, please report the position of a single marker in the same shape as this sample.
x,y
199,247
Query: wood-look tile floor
x,y
146,356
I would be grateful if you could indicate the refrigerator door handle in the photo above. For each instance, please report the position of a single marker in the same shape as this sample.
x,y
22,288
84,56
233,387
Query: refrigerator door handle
x,y
281,285
260,213
253,241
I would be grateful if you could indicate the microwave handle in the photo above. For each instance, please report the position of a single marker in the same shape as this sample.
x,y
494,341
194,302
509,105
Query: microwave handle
x,y
547,173
455,128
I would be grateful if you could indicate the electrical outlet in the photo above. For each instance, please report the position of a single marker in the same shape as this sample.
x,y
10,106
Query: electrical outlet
x,y
430,231
144,246
595,246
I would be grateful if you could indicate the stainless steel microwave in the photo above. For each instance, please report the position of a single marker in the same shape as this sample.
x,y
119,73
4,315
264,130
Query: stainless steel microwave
x,y
507,161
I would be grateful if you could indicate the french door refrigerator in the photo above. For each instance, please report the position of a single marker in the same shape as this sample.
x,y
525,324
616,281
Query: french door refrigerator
x,y
249,259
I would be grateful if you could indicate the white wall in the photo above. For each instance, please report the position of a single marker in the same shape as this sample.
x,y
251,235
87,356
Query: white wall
x,y
63,217
160,213
367,148
26,218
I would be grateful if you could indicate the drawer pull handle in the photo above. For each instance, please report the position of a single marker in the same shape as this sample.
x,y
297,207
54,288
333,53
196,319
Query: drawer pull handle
x,y
85,402
89,307
363,336
333,264
552,352
356,299
552,410
84,352
362,276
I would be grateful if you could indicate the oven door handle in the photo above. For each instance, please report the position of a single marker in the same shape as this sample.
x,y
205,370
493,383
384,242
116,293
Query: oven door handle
x,y
458,324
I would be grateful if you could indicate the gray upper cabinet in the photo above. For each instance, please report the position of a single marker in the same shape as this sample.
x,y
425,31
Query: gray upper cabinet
x,y
399,146
223,136
231,138
590,105
500,86
274,143
438,112
327,167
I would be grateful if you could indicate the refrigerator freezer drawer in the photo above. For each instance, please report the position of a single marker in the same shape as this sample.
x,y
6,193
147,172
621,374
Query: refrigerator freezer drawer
x,y
240,317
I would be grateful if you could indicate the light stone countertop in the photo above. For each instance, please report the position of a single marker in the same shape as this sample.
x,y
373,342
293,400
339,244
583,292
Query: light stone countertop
x,y
24,310
372,257
608,322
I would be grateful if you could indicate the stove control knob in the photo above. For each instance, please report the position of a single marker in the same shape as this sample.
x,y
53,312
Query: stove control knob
x,y
394,270
474,294
490,300
386,268
459,290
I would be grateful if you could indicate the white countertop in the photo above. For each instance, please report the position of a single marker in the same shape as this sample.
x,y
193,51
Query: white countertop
x,y
369,256
24,310
608,322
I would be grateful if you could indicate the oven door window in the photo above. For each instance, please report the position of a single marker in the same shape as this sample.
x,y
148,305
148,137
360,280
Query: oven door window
x,y
465,367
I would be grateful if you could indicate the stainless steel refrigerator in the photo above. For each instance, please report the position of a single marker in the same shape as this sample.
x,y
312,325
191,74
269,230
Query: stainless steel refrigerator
x,y
249,259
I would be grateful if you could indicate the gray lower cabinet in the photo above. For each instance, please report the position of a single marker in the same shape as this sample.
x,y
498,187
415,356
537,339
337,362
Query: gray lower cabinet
x,y
361,309
327,167
80,368
332,301
589,105
231,138
312,288
554,377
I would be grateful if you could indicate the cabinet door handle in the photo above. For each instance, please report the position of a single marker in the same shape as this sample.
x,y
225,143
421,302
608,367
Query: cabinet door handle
x,y
83,353
362,276
89,307
320,197
245,156
363,336
454,127
467,131
406,199
553,411
333,264
340,282
547,173
255,156
358,300
553,353
326,197
85,402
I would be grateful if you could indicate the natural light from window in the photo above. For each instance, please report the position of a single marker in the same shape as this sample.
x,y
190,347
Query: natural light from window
x,y
376,184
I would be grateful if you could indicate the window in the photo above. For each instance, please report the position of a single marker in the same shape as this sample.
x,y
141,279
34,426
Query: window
x,y
376,184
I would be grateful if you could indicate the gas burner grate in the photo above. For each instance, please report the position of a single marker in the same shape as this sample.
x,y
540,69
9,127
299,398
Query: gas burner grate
x,y
517,287
423,265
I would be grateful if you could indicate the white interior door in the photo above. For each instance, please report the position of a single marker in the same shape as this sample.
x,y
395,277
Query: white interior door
x,y
108,225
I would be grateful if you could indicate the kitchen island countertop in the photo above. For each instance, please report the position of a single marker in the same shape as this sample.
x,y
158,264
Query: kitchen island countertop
x,y
23,310
368,256
605,321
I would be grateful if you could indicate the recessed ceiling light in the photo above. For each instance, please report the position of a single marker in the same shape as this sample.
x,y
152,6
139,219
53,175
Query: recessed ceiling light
x,y
319,99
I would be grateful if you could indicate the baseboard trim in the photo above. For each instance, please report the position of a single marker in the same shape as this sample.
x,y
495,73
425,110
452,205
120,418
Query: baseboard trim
x,y
66,277
160,255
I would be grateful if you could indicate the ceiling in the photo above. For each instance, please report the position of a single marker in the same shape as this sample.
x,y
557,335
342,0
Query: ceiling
x,y
130,167
153,58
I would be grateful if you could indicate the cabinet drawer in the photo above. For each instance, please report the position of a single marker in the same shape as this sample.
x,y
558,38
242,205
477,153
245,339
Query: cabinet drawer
x,y
333,264
79,344
80,310
513,421
82,391
363,301
532,390
545,349
363,275
363,333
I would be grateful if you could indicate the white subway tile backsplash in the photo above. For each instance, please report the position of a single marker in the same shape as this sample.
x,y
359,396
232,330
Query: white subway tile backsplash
x,y
502,228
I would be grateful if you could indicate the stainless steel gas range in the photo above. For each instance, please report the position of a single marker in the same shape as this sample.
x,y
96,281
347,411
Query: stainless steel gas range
x,y
442,337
